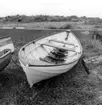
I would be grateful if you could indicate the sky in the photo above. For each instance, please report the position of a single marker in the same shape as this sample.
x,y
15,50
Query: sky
x,y
89,8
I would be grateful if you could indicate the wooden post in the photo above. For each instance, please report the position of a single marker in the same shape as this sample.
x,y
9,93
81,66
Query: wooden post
x,y
84,65
68,31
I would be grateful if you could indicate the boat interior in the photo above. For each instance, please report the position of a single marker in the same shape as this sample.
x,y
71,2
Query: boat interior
x,y
53,50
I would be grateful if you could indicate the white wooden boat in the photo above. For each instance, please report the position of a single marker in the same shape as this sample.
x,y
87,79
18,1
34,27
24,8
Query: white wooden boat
x,y
6,50
50,56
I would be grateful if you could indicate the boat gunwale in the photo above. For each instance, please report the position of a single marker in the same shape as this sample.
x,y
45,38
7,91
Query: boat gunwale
x,y
5,54
4,37
49,64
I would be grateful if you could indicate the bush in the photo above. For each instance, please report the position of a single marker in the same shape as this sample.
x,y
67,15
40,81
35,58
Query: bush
x,y
68,26
52,27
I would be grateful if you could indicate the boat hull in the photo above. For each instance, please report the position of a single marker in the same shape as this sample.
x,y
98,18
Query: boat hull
x,y
6,43
6,50
4,61
37,74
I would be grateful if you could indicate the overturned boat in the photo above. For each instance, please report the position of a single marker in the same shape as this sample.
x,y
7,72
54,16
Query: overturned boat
x,y
50,56
6,50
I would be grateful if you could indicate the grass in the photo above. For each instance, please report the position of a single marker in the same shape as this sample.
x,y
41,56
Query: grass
x,y
40,25
48,25
74,87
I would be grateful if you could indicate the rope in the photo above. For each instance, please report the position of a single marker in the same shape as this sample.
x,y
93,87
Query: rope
x,y
16,63
84,65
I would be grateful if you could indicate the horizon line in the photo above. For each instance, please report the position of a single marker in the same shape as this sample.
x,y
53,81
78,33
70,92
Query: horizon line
x,y
49,15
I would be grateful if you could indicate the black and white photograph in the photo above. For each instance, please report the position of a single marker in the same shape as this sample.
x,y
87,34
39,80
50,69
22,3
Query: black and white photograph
x,y
50,52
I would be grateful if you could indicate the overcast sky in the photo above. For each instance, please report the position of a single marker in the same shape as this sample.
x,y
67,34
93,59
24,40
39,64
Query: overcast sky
x,y
90,8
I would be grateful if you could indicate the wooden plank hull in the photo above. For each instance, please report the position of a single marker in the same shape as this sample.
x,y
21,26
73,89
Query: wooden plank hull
x,y
49,56
4,61
6,50
37,74
6,43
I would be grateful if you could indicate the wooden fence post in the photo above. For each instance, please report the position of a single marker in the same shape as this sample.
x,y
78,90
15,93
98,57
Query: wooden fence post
x,y
84,65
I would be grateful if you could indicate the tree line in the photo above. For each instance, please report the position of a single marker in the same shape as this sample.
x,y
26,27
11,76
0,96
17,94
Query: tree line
x,y
39,18
47,18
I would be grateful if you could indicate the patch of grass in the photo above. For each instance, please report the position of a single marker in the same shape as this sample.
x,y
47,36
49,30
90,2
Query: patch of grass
x,y
71,88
